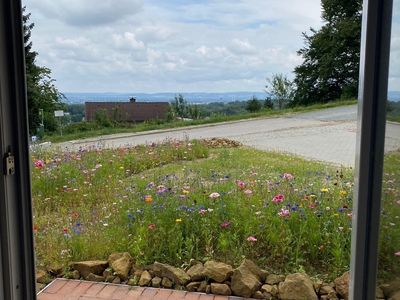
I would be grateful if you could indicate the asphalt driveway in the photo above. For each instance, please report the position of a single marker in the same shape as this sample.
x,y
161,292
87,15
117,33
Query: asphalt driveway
x,y
327,135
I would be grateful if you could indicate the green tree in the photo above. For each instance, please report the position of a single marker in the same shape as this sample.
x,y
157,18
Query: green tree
x,y
253,105
331,55
43,96
180,106
280,89
194,112
268,103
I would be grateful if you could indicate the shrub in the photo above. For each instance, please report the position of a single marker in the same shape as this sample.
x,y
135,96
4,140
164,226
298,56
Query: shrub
x,y
253,105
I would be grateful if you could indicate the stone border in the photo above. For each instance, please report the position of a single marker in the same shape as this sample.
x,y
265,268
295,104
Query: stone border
x,y
212,277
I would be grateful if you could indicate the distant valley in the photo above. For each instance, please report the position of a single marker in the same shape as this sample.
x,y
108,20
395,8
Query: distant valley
x,y
192,97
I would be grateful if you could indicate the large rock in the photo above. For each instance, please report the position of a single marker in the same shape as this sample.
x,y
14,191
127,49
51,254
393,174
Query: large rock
x,y
328,291
270,289
178,276
217,271
253,268
145,279
96,267
390,288
244,283
196,272
121,264
114,256
156,282
220,289
342,285
297,286
274,279
167,283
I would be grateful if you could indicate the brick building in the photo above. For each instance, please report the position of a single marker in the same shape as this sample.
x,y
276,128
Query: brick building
x,y
131,111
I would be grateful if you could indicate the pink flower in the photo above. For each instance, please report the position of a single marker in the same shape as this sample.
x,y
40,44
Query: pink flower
x,y
151,226
287,176
202,212
278,198
248,192
214,195
240,184
397,253
252,239
225,224
39,164
284,213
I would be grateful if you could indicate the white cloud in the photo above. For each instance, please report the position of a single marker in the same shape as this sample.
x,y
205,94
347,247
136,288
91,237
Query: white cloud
x,y
127,40
242,47
174,45
153,34
86,12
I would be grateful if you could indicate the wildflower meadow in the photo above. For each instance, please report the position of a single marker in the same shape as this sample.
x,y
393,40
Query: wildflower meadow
x,y
177,201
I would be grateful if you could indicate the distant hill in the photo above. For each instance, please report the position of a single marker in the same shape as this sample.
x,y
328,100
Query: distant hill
x,y
394,96
168,97
200,98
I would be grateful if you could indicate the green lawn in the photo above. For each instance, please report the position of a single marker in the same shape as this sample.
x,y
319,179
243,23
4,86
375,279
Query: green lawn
x,y
180,201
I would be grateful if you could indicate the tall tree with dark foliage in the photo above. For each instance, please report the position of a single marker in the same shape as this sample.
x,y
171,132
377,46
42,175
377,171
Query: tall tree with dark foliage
x,y
43,96
331,55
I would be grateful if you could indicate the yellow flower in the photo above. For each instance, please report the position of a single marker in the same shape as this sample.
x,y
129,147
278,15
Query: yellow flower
x,y
324,190
148,198
343,193
178,220
185,192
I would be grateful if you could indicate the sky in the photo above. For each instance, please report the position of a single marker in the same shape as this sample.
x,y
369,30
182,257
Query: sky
x,y
174,45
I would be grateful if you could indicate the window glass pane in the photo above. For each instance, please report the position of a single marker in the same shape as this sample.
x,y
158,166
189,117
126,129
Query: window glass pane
x,y
271,179
389,255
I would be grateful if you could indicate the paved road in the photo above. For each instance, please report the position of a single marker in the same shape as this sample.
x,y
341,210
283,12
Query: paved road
x,y
326,135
